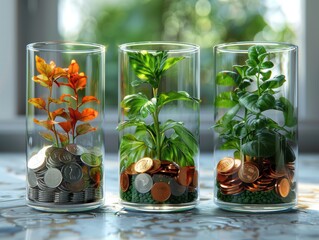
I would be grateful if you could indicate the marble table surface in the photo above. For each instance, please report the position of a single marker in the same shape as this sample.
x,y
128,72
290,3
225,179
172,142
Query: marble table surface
x,y
206,221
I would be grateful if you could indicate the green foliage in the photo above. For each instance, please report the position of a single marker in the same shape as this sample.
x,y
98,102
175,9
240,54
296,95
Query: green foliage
x,y
254,133
169,140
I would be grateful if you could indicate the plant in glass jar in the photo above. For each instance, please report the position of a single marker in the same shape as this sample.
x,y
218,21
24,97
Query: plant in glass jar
x,y
165,149
261,169
64,172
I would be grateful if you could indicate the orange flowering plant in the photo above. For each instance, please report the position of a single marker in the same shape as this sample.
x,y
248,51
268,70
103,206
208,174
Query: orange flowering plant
x,y
63,123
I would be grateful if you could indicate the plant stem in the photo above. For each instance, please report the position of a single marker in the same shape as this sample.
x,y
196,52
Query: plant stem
x,y
156,127
49,115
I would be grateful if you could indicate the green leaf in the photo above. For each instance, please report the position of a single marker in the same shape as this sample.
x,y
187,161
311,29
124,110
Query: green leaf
x,y
170,62
265,75
251,71
275,82
183,133
165,98
288,111
226,100
263,144
240,130
227,78
248,100
149,67
251,63
241,69
265,102
223,122
130,123
137,106
262,56
255,51
266,65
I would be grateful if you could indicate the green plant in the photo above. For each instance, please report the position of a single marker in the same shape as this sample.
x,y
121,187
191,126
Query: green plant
x,y
62,122
169,140
246,126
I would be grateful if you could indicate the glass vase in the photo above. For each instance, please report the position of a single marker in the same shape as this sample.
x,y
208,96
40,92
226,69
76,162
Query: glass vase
x,y
256,145
159,126
64,115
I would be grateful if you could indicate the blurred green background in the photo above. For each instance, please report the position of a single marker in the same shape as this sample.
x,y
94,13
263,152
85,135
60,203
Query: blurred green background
x,y
204,22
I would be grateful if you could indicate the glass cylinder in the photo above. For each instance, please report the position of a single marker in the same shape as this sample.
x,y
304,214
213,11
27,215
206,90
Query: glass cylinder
x,y
159,125
64,113
255,126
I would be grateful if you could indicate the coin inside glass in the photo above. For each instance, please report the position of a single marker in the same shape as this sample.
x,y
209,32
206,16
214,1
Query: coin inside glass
x,y
53,178
143,183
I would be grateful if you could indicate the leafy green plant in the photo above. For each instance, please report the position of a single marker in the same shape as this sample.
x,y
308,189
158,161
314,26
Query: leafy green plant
x,y
169,140
246,126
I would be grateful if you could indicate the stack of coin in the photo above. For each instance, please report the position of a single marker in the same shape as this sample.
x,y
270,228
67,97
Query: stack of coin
x,y
69,175
227,176
254,175
161,178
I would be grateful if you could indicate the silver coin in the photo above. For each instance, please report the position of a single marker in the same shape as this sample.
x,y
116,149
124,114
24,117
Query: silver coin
x,y
77,197
75,149
89,194
53,178
36,162
143,183
61,197
62,155
46,196
72,172
176,188
32,179
33,194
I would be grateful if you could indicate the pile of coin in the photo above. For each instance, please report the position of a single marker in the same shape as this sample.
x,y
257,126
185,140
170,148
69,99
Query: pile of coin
x,y
65,175
162,179
235,176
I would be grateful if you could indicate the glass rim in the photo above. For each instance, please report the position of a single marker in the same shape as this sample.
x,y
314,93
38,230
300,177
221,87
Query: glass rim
x,y
244,45
79,47
177,47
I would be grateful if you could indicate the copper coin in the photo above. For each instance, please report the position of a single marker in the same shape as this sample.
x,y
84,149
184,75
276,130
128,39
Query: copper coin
x,y
185,175
143,165
165,162
161,191
195,179
221,177
236,167
283,187
225,165
131,169
173,166
156,166
124,181
248,173
233,191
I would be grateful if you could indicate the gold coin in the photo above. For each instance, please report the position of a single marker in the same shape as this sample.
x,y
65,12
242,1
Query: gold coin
x,y
248,173
225,165
143,165
283,187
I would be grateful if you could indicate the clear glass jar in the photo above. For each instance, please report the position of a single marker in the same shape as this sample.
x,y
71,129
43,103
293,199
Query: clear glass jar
x,y
64,114
159,125
256,145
